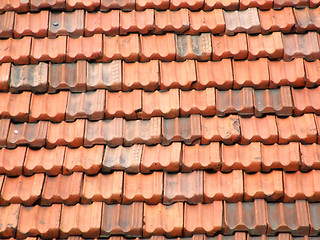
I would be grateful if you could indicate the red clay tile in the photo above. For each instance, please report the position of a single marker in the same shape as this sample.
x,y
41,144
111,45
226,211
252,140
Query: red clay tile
x,y
202,21
67,76
277,20
297,129
62,189
84,48
141,76
15,50
82,159
229,47
310,157
89,5
102,188
101,22
163,220
162,158
284,157
122,158
142,131
15,106
190,4
194,47
267,186
61,134
31,24
73,223
313,209
225,4
287,73
267,46
201,157
157,4
121,48
305,100
301,46
186,129
217,129
39,221
317,120
4,76
9,220
244,157
285,3
203,218
312,73
177,75
143,188
198,102
14,5
53,50
104,75
180,187
88,105
123,104
259,130
278,101
124,5
160,104
6,24
104,132
242,21
36,5
66,23
158,47
4,132
280,236
122,220
12,161
32,134
171,21
235,102
50,107
251,74
307,19
48,161
260,4
288,217
140,22
23,190
223,186
246,216
314,3
214,74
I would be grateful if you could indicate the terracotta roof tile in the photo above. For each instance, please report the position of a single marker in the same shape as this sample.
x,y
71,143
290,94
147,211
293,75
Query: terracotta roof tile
x,y
163,220
157,4
214,74
101,22
284,157
277,20
4,132
104,132
32,134
73,223
180,187
285,3
36,5
61,134
31,24
14,5
313,209
122,220
82,159
9,220
160,104
235,102
22,189
102,188
259,130
33,219
310,156
305,100
225,4
66,23
202,157
15,50
229,47
48,107
260,4
244,157
251,74
141,22
280,236
223,186
90,5
307,19
4,76
203,218
171,21
312,73
190,4
15,106
177,75
122,158
48,161
202,21
6,24
165,158
126,5
62,189
12,161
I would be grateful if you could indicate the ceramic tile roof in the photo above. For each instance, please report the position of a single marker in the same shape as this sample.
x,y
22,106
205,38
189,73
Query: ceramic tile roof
x,y
164,119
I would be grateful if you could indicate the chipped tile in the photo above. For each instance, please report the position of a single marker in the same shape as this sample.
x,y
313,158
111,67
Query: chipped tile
x,y
171,21
101,22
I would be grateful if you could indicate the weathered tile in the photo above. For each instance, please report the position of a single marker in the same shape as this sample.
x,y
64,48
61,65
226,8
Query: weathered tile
x,y
313,209
9,220
6,24
14,5
31,24
171,21
12,161
15,106
101,22
36,5
125,5
307,19
212,21
285,3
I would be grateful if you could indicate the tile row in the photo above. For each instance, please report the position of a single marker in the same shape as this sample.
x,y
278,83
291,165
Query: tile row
x,y
179,219
155,75
81,23
167,47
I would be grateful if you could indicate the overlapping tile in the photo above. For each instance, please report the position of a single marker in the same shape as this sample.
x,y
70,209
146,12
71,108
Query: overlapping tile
x,y
309,156
5,69
6,24
12,161
90,5
171,21
311,72
14,5
102,22
158,4
126,5
305,100
307,19
202,21
15,106
277,20
36,5
31,24
137,21
9,220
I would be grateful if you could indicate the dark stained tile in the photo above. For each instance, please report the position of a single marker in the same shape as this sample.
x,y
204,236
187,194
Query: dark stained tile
x,y
36,5
9,220
313,209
